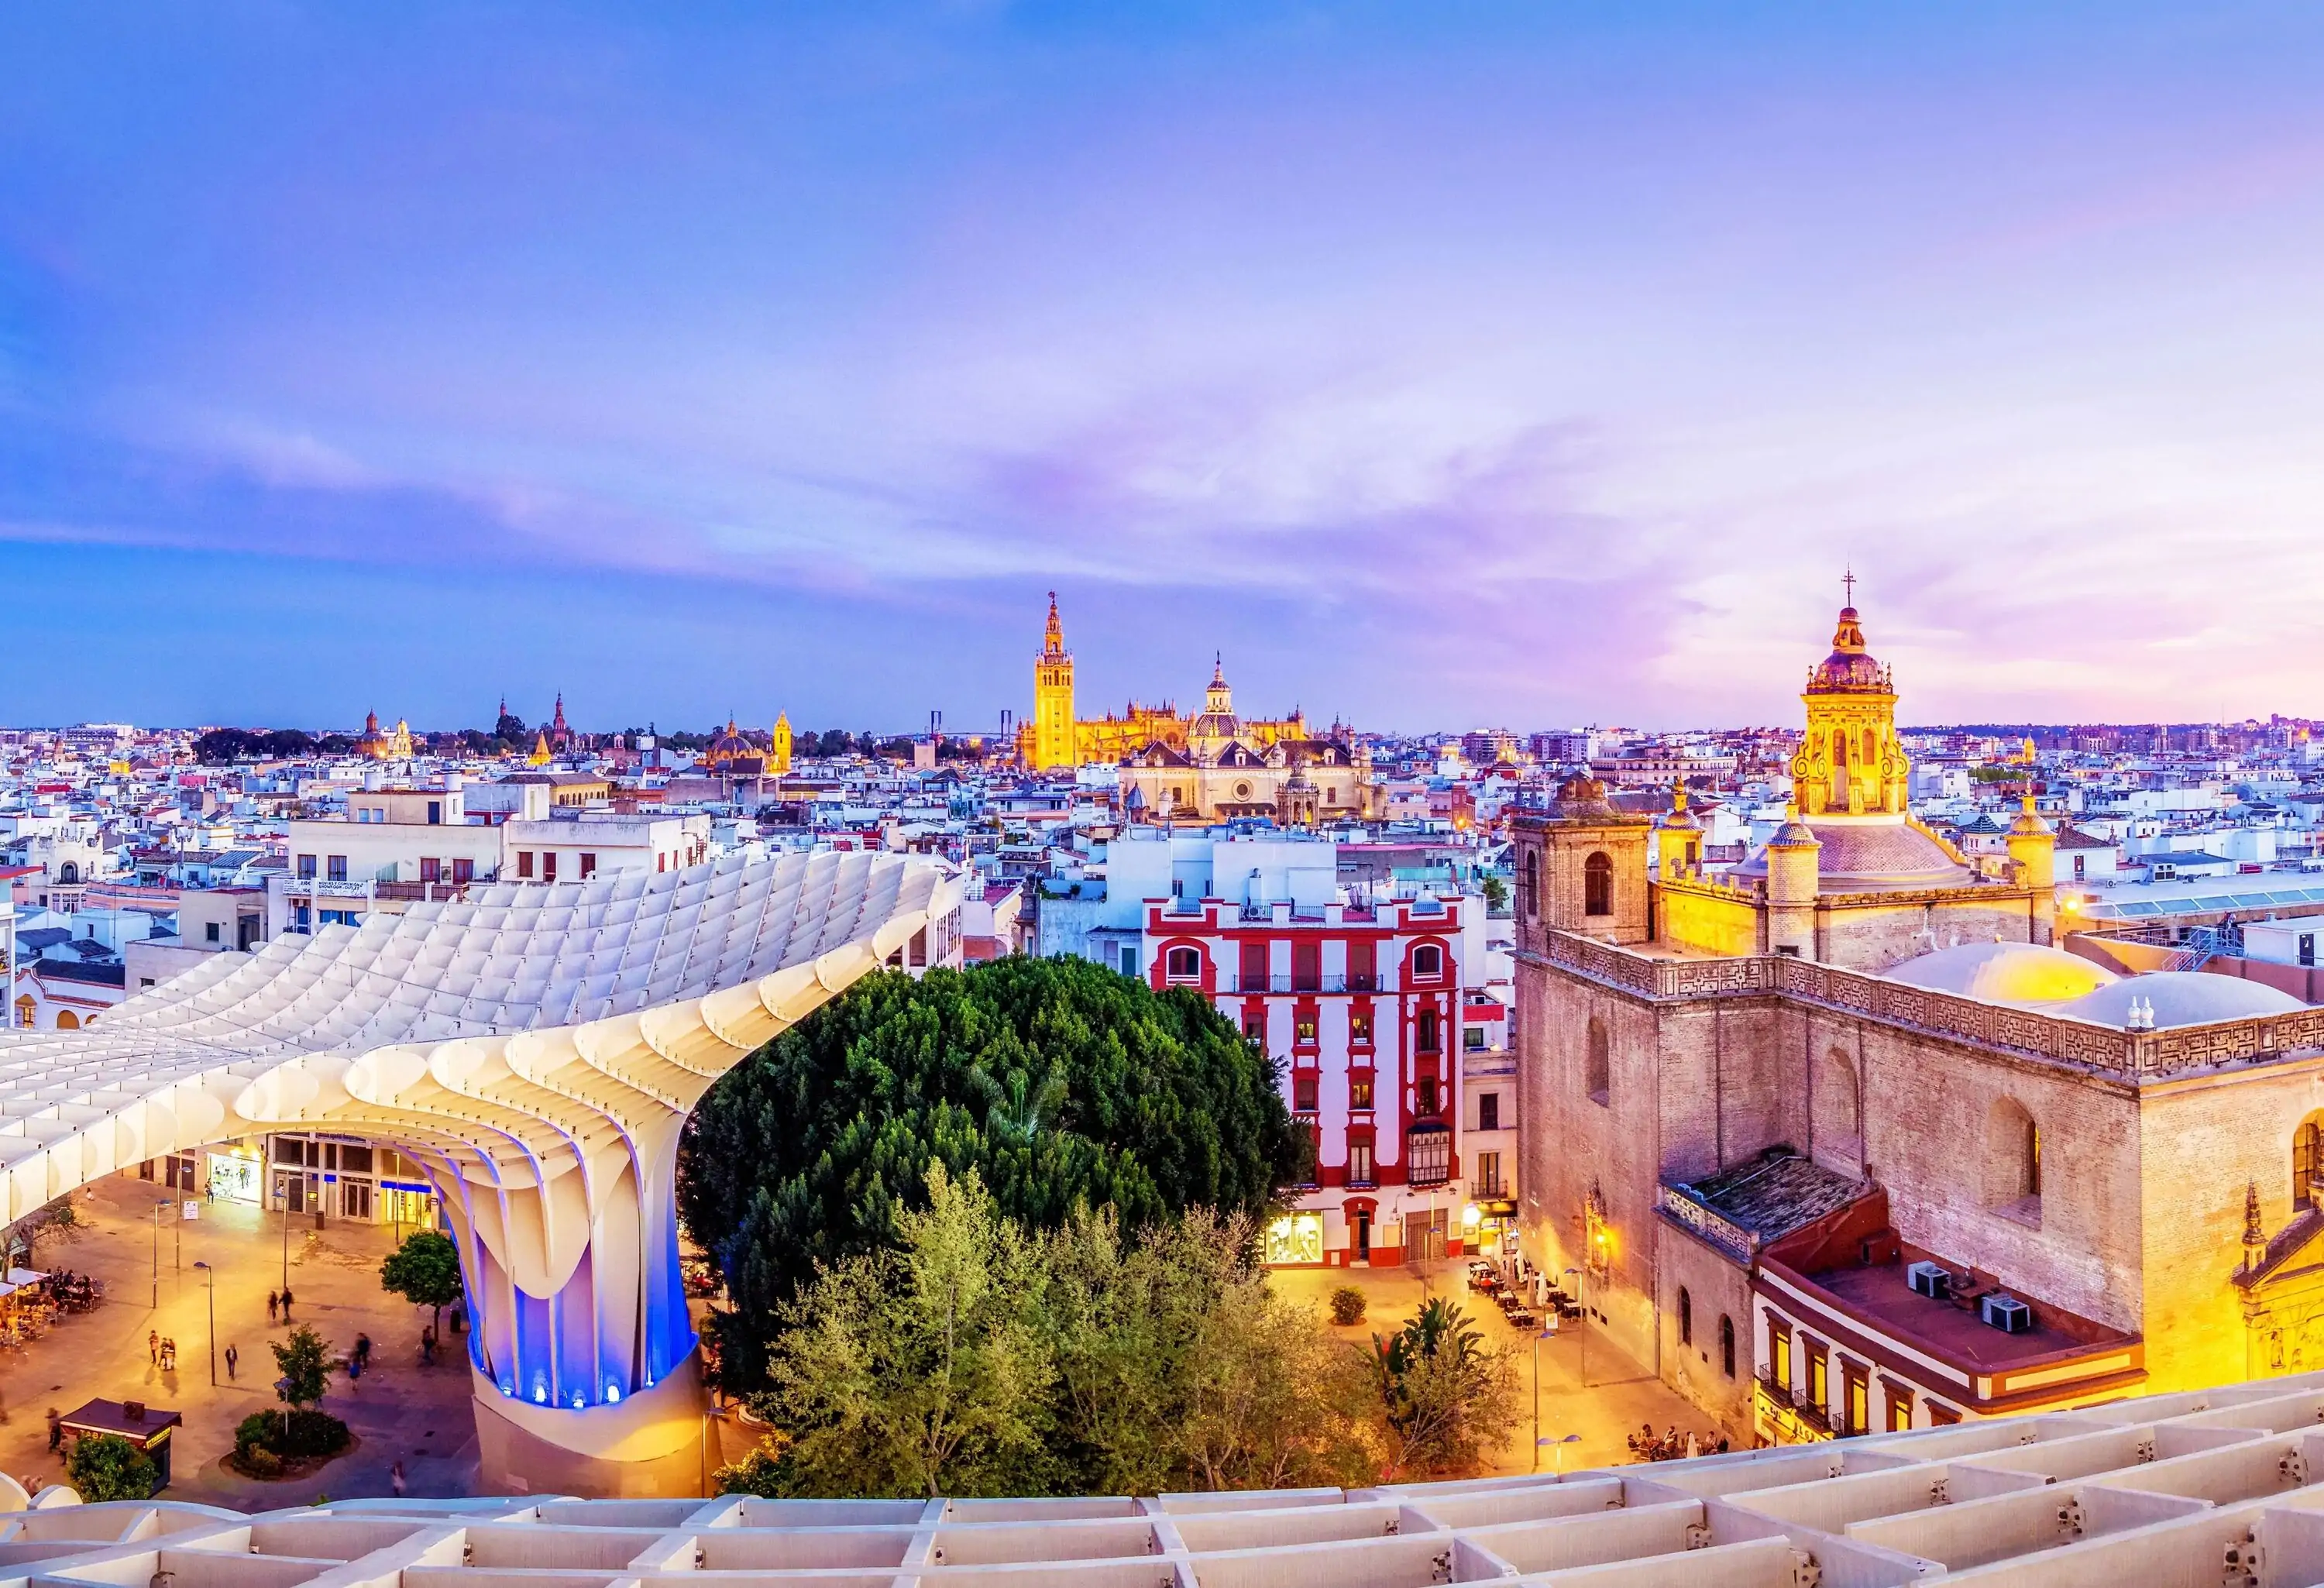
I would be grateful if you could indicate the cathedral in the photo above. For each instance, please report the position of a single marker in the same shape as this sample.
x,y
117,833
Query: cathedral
x,y
1207,767
1841,1140
385,744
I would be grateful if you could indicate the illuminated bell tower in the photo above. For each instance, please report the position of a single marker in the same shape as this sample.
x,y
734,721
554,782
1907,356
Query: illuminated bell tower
x,y
778,746
1850,763
1053,700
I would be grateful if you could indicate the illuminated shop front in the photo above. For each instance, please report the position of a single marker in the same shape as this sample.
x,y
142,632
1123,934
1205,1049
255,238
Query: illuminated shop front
x,y
1295,1239
235,1175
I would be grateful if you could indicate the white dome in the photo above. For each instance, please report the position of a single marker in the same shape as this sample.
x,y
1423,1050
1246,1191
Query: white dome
x,y
2183,998
2004,973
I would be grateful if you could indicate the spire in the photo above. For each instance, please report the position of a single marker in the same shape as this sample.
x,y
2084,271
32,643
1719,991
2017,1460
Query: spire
x,y
558,719
1218,668
1054,639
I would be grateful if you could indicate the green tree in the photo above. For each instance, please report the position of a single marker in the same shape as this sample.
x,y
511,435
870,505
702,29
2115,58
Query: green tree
x,y
105,1466
922,1370
1445,1394
1060,1082
305,1361
425,1270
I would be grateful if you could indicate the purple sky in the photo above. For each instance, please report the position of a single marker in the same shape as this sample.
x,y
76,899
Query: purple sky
x,y
1441,365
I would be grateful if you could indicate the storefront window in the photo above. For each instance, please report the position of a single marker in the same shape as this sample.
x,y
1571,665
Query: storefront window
x,y
234,1179
1295,1238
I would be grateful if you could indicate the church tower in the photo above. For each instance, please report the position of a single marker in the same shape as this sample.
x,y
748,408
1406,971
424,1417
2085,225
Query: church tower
x,y
1850,762
778,746
1053,700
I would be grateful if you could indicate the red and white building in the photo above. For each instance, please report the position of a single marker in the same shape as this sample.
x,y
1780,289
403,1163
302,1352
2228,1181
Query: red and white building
x,y
1369,1002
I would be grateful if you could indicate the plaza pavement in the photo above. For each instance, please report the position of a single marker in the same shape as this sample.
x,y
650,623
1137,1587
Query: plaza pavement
x,y
397,1409
1621,1393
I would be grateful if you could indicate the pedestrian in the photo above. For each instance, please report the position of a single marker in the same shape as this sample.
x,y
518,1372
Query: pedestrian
x,y
395,1479
363,1349
274,1301
428,1346
233,1356
56,1431
286,1304
153,1345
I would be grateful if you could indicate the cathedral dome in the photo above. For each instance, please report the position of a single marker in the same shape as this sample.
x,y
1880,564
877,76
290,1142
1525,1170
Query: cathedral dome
x,y
1850,669
2004,973
1867,854
2183,998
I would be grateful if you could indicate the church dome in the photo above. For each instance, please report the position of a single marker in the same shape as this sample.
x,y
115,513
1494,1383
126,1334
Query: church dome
x,y
1850,669
1867,854
2004,973
2183,998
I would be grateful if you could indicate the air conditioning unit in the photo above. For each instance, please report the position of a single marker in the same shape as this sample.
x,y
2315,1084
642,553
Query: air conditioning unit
x,y
2007,1314
1931,1279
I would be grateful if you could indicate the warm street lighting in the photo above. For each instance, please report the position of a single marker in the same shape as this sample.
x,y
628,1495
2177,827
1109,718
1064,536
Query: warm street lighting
x,y
211,1274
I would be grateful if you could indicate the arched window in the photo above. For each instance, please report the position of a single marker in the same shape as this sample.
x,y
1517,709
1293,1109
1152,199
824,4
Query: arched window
x,y
1871,749
1599,1073
25,1010
1839,770
1727,1345
1184,965
68,873
1685,1317
2307,1159
1427,962
2013,1160
1533,884
1597,884
66,1020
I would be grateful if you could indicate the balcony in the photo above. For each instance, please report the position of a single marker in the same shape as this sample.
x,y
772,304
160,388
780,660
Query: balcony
x,y
1252,986
1496,1190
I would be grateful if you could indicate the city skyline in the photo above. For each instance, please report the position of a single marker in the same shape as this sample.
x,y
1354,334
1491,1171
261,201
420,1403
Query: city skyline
x,y
1516,369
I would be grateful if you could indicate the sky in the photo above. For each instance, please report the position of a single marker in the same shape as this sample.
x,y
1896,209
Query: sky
x,y
1439,365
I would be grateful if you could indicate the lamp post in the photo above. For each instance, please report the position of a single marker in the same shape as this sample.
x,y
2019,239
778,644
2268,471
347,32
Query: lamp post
x,y
1582,1299
1548,1332
158,1206
211,1274
286,1232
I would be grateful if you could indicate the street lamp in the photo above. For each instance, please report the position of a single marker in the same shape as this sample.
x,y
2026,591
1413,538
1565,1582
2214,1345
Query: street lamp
x,y
158,1206
1548,1332
211,1274
1557,1445
1582,1299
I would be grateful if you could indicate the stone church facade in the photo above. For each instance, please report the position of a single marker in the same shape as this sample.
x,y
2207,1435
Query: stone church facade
x,y
1751,1104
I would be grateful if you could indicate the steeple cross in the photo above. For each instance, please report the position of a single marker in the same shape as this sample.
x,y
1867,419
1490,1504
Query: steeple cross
x,y
1849,580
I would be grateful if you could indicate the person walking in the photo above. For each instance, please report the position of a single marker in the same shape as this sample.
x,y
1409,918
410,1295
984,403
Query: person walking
x,y
286,1304
56,1431
274,1303
232,1357
428,1346
395,1479
153,1345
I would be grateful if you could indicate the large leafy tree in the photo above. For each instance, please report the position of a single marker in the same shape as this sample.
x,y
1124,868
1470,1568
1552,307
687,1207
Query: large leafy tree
x,y
1059,1083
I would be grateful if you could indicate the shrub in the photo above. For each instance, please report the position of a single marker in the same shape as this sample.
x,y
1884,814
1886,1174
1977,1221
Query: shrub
x,y
105,1466
302,1433
259,1462
1347,1305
